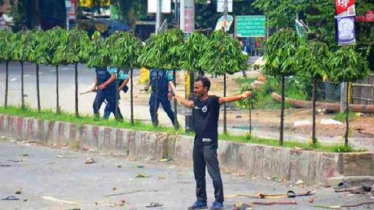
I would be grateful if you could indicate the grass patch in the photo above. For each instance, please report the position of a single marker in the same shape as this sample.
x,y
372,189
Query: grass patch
x,y
139,126
341,116
287,144
84,119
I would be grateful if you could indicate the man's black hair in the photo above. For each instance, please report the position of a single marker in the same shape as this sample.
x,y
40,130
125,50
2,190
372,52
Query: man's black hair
x,y
205,81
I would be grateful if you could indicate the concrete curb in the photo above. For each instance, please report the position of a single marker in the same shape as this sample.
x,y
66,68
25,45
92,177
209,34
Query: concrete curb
x,y
251,159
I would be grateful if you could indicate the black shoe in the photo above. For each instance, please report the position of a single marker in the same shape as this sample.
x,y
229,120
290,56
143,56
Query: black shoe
x,y
198,205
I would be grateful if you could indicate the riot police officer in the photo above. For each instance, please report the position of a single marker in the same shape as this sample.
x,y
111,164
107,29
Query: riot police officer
x,y
164,77
106,91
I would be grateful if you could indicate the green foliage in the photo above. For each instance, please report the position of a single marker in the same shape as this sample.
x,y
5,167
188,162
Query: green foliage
x,y
343,149
97,52
163,51
297,88
149,54
73,48
280,51
123,50
49,43
18,43
192,50
5,52
34,41
311,60
341,117
222,54
348,65
251,101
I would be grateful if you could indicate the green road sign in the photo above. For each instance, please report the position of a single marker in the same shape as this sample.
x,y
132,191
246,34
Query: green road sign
x,y
250,26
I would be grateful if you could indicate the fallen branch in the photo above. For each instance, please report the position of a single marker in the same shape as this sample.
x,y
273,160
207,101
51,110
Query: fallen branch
x,y
275,203
344,206
124,193
289,194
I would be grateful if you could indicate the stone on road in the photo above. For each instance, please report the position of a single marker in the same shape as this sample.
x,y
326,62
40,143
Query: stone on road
x,y
50,181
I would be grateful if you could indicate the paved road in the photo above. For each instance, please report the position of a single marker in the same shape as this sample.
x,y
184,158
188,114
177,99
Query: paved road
x,y
62,174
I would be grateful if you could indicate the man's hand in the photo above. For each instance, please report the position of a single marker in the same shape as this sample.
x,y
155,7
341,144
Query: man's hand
x,y
177,99
94,89
170,95
102,86
246,94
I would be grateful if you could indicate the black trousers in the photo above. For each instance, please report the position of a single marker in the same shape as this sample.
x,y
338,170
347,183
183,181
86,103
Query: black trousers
x,y
206,155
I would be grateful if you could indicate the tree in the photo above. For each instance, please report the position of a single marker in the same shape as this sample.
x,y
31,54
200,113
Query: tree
x,y
311,61
222,55
73,50
249,103
123,52
5,56
19,41
47,48
280,51
192,50
348,66
35,56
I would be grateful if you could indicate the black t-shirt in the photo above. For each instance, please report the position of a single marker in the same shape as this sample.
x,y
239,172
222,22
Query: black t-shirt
x,y
206,114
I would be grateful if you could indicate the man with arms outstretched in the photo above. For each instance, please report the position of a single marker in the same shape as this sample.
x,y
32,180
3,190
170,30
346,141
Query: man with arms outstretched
x,y
206,113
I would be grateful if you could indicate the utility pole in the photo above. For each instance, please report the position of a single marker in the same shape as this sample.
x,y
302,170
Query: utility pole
x,y
187,25
158,16
225,13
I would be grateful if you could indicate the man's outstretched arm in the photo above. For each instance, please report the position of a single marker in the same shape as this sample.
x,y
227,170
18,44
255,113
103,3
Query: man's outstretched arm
x,y
229,99
184,102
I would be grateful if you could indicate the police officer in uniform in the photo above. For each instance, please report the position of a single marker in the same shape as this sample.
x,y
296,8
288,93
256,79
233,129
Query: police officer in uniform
x,y
164,77
206,114
105,86
123,81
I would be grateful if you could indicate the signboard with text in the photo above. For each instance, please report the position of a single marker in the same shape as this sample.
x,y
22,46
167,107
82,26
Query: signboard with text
x,y
346,31
250,26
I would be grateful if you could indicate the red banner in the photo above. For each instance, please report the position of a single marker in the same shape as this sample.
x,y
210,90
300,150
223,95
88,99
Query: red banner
x,y
345,8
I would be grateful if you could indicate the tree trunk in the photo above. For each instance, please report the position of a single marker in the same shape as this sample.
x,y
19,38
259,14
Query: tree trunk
x,y
22,87
57,91
176,124
116,113
132,96
314,139
224,105
156,100
347,120
250,120
38,87
6,84
76,91
33,13
282,111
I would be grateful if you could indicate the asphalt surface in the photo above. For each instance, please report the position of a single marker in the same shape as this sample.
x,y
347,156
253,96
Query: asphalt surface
x,y
51,178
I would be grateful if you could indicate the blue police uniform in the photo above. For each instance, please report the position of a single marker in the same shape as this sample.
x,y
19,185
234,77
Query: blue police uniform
x,y
164,77
122,76
108,94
